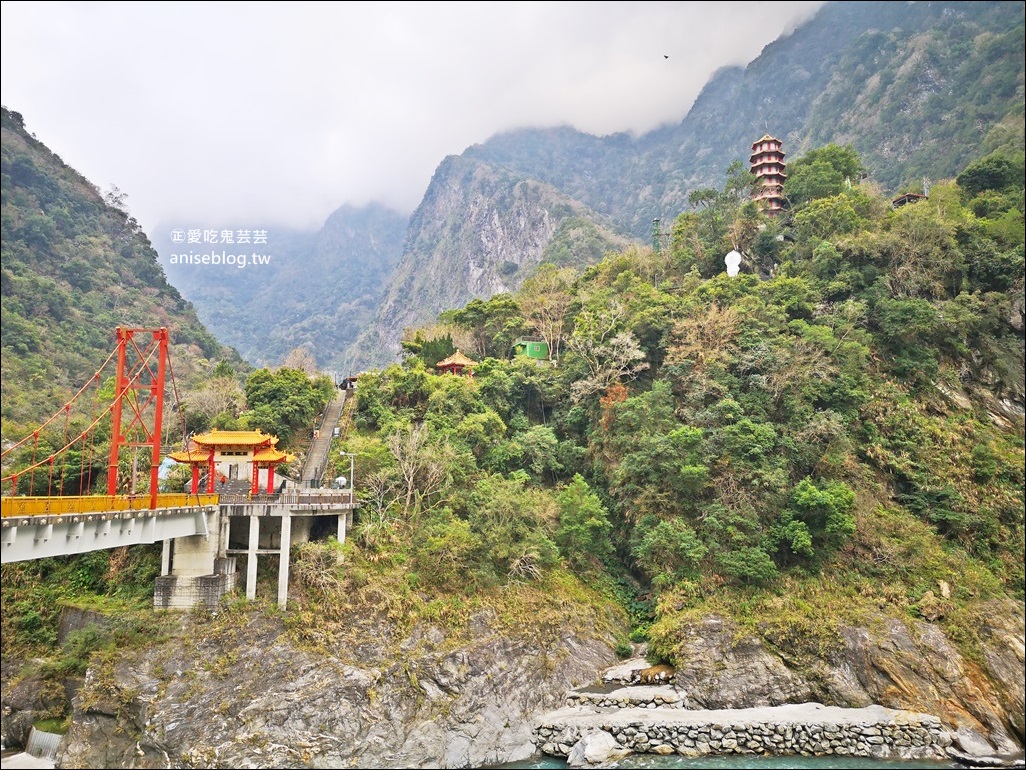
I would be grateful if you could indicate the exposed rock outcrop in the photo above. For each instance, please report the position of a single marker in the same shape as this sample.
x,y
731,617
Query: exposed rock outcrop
x,y
737,692
478,232
264,702
248,696
907,664
26,699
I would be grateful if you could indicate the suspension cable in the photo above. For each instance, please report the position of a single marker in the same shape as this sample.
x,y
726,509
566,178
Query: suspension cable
x,y
11,448
65,447
64,456
179,406
32,474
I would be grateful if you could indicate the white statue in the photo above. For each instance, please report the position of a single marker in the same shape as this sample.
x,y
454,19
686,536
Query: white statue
x,y
733,260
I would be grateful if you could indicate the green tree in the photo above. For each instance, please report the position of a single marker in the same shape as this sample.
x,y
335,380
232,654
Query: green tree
x,y
429,351
667,550
827,217
998,171
514,524
285,400
584,526
544,299
818,519
822,173
540,447
494,324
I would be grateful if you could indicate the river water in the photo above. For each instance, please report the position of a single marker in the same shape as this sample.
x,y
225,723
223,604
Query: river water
x,y
12,760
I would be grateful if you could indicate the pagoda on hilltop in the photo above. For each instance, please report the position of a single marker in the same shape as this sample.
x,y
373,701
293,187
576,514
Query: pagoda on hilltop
x,y
230,455
768,165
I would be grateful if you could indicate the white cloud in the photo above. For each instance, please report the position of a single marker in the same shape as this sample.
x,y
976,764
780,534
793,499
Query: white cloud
x,y
276,114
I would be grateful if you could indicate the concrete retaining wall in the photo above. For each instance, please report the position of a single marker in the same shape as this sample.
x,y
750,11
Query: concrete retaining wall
x,y
809,729
184,592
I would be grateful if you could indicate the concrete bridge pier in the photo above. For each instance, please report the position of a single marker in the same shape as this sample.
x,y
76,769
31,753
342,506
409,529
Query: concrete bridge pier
x,y
253,528
251,557
345,519
283,561
195,570
165,557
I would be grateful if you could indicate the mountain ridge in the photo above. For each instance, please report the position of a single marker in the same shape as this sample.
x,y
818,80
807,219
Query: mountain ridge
x,y
935,58
76,266
318,290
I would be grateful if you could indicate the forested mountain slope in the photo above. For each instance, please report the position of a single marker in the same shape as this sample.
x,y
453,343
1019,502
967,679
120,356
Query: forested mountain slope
x,y
917,89
317,291
75,267
914,88
834,434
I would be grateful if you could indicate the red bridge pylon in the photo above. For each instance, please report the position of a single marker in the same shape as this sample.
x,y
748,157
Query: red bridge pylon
x,y
139,384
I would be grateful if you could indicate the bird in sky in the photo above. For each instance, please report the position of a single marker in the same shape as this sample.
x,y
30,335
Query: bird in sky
x,y
666,56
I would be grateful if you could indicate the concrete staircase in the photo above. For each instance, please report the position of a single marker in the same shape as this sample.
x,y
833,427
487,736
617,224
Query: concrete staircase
x,y
313,469
233,487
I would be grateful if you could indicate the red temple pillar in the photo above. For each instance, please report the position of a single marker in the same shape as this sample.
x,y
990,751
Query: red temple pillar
x,y
254,483
270,478
210,473
195,478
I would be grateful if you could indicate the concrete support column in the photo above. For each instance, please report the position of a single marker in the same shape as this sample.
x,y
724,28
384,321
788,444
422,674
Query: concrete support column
x,y
342,527
283,561
251,557
223,532
165,557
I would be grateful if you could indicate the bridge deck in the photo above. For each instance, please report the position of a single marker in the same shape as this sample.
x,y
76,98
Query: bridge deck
x,y
23,538
96,504
38,527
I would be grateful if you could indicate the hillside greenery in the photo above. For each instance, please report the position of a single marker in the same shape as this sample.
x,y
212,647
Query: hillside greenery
x,y
76,266
835,431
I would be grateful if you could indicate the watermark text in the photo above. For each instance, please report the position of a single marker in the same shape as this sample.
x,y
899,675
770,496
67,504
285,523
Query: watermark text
x,y
219,258
178,235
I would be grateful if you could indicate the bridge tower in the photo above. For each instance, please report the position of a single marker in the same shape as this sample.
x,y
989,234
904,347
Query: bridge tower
x,y
139,384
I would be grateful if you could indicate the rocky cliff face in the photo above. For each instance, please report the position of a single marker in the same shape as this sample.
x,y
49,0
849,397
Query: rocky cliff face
x,y
258,701
248,697
479,232
317,290
907,664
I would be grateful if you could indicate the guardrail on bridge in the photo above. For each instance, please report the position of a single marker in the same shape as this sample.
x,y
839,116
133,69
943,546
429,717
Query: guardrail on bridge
x,y
72,504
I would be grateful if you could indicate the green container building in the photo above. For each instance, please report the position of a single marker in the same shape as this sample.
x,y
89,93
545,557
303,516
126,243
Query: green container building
x,y
532,347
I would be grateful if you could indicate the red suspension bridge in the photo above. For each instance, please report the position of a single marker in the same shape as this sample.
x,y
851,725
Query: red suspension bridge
x,y
66,455
52,506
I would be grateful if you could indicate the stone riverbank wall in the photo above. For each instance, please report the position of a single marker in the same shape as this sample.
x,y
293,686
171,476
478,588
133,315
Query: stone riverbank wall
x,y
809,729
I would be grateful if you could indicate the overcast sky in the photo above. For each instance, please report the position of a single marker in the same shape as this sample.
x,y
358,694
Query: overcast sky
x,y
275,114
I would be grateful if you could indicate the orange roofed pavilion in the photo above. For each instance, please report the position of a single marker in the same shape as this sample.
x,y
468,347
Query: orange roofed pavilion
x,y
233,454
455,364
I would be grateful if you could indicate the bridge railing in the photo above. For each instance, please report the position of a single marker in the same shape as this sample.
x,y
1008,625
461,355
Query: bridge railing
x,y
72,504
293,497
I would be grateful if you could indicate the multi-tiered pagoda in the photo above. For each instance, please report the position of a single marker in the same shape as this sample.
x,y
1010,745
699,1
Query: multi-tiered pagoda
x,y
768,164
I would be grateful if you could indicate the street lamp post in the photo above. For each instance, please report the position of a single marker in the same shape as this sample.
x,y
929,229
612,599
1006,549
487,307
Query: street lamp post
x,y
343,517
